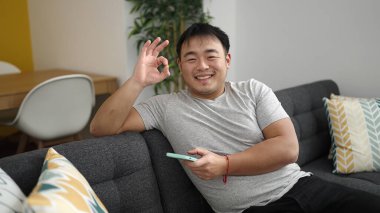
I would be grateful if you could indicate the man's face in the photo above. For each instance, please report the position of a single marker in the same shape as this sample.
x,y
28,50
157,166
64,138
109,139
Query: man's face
x,y
204,66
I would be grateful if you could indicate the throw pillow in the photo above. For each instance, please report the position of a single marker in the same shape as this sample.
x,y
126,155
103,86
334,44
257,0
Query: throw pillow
x,y
349,98
62,188
355,131
346,98
11,196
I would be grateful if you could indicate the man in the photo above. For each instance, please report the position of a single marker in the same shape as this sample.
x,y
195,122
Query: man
x,y
245,141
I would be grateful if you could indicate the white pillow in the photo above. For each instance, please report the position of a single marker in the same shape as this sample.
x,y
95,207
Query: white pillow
x,y
11,196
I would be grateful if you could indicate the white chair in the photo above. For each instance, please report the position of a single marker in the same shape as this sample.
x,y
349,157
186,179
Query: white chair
x,y
56,108
7,68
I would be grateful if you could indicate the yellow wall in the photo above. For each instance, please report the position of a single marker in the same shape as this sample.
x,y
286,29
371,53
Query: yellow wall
x,y
15,41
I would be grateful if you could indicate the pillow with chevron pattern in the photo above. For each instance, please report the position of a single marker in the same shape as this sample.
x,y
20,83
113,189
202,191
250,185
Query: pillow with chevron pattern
x,y
11,196
346,98
62,188
355,132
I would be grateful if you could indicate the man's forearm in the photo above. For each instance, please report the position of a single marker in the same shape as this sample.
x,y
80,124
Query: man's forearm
x,y
264,157
113,112
267,156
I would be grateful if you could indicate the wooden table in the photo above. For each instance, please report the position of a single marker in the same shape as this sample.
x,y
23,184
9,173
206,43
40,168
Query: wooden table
x,y
14,87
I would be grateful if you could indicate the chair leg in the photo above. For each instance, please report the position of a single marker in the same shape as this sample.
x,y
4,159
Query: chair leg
x,y
22,144
40,144
77,137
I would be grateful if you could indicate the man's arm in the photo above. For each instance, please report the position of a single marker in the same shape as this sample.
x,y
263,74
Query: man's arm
x,y
117,114
279,149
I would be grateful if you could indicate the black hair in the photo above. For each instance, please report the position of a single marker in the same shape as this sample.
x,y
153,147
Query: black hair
x,y
203,29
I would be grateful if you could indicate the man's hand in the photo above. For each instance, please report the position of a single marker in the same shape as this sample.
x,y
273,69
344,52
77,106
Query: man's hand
x,y
146,70
117,114
209,166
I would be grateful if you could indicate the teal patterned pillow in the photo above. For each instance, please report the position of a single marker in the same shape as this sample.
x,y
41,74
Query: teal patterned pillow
x,y
11,196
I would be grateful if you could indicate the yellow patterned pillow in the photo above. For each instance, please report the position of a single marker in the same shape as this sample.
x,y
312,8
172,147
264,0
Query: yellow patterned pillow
x,y
342,98
62,188
355,131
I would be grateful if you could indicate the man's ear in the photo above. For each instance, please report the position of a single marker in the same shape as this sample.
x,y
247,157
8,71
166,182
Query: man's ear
x,y
228,59
179,64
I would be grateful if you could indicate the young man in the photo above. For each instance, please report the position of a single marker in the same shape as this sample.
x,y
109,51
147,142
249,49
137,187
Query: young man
x,y
245,141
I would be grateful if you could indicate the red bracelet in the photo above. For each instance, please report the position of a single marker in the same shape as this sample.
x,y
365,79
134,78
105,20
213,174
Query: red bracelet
x,y
226,175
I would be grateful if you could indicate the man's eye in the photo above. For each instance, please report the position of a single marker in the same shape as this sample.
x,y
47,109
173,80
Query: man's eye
x,y
190,59
212,57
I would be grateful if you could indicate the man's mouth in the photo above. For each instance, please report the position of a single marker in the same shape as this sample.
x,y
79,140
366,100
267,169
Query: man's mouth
x,y
204,77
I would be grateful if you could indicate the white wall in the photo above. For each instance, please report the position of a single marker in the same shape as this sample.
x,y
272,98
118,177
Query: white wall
x,y
132,53
285,43
282,43
87,35
224,13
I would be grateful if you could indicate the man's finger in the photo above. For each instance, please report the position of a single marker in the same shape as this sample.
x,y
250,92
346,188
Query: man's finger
x,y
145,48
160,47
165,72
198,151
153,46
162,60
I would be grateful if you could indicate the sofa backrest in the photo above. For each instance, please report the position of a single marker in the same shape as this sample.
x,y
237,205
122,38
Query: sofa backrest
x,y
177,192
304,105
118,168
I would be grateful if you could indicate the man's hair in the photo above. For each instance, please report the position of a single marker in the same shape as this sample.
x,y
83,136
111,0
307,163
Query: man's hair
x,y
202,29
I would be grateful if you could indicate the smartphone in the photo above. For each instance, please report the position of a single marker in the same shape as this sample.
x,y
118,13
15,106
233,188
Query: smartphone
x,y
180,157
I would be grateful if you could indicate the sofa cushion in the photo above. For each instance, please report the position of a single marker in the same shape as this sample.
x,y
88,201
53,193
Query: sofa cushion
x,y
24,168
61,188
366,181
118,168
305,107
178,194
11,196
355,130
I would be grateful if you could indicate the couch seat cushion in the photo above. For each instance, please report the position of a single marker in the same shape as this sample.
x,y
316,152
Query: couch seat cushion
x,y
367,181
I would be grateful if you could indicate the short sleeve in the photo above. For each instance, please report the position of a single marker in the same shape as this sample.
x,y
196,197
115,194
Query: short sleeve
x,y
268,107
152,111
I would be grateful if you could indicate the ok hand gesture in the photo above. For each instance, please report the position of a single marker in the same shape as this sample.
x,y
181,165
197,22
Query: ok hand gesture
x,y
146,70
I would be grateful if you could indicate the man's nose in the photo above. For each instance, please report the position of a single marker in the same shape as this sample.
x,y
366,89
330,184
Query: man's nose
x,y
203,65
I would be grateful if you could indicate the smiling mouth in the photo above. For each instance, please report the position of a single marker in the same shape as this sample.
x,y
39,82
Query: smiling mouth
x,y
204,77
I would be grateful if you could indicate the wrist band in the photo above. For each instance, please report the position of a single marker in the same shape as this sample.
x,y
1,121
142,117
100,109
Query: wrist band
x,y
226,175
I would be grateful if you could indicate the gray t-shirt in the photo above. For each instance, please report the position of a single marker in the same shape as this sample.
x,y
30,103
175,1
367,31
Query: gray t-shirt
x,y
231,123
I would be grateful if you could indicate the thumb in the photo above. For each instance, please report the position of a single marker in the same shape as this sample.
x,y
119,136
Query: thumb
x,y
198,151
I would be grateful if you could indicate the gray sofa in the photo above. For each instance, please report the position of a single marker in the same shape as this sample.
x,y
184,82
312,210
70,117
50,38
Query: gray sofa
x,y
130,173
